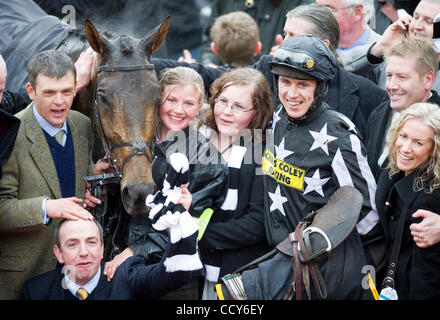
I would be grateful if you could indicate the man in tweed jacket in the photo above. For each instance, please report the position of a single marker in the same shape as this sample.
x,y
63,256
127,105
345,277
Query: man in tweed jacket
x,y
34,189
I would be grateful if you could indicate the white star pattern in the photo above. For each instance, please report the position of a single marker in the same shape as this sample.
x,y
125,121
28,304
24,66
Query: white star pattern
x,y
315,183
277,201
276,117
351,126
321,139
282,153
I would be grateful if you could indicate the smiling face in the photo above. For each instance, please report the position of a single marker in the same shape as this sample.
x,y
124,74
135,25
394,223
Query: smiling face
x,y
179,107
233,110
404,83
423,19
296,95
414,145
53,97
81,250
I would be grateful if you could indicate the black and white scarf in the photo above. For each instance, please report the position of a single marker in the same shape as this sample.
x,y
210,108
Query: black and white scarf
x,y
166,214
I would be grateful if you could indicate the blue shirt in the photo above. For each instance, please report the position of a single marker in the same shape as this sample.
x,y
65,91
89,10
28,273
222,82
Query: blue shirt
x,y
361,41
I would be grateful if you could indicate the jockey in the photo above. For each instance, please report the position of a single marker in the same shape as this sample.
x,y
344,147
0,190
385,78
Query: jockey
x,y
315,151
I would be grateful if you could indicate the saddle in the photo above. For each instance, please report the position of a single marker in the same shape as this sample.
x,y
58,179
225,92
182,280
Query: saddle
x,y
313,239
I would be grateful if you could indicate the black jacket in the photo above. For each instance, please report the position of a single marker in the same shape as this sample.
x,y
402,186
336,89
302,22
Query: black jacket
x,y
417,275
241,237
208,182
9,126
376,127
132,280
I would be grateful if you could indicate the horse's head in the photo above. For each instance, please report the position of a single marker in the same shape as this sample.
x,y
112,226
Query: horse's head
x,y
126,107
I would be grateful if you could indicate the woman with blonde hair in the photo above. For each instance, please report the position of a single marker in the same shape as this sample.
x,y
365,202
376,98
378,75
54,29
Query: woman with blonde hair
x,y
411,182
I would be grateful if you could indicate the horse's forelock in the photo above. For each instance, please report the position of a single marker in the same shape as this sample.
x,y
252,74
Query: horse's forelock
x,y
126,45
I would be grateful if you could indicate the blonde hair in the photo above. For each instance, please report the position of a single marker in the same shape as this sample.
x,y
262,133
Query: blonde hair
x,y
420,48
235,36
428,175
182,76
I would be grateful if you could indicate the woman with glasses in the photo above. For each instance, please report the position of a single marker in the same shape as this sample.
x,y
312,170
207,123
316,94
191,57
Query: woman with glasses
x,y
236,122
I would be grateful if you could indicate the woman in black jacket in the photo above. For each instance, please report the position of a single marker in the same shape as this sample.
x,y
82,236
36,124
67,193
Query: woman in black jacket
x,y
411,182
240,110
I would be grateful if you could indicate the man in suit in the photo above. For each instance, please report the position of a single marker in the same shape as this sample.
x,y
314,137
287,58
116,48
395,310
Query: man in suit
x,y
419,25
356,35
79,247
411,68
43,179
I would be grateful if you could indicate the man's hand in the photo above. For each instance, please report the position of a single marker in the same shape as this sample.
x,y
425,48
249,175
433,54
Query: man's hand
x,y
394,33
278,40
83,68
67,208
427,232
99,168
187,57
111,266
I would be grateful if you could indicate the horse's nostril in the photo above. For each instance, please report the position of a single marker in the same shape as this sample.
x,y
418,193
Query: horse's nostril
x,y
133,198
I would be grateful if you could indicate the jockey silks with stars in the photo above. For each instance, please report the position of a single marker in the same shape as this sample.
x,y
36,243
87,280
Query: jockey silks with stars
x,y
315,150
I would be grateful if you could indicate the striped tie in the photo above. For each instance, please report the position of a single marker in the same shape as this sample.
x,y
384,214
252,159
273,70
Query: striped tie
x,y
82,293
59,137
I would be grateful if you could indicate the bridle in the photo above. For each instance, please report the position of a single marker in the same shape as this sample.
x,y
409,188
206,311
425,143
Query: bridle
x,y
138,147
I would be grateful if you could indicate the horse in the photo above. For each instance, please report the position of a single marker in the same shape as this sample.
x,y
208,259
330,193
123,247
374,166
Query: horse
x,y
126,103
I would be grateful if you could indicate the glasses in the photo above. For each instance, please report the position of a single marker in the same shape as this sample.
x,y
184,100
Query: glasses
x,y
223,103
334,10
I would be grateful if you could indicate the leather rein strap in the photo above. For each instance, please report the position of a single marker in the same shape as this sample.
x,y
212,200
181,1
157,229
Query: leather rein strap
x,y
138,147
304,266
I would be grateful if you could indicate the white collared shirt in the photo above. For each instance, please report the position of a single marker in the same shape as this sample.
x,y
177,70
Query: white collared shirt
x,y
49,128
89,286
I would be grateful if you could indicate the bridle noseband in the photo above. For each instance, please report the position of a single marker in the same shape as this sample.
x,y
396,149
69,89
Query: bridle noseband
x,y
138,147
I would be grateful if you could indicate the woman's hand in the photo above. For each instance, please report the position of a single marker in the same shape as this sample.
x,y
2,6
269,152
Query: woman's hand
x,y
427,232
110,267
186,198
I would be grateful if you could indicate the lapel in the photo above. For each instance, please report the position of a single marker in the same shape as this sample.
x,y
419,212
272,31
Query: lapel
x,y
404,188
40,152
342,95
380,123
80,147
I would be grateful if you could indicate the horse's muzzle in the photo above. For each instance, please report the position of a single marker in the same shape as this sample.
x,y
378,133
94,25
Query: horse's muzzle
x,y
133,198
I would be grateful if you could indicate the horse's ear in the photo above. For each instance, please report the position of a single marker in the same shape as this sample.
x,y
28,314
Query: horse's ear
x,y
97,42
152,41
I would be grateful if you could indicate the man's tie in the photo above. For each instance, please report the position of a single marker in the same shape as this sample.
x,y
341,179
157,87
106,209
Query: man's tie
x,y
59,137
82,293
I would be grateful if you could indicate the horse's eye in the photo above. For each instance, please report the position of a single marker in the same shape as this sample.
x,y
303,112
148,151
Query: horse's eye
x,y
104,100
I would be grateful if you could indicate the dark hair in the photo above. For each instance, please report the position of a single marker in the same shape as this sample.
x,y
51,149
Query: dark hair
x,y
50,63
261,96
325,25
58,227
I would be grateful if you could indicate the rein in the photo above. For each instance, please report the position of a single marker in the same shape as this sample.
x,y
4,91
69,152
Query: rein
x,y
138,147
